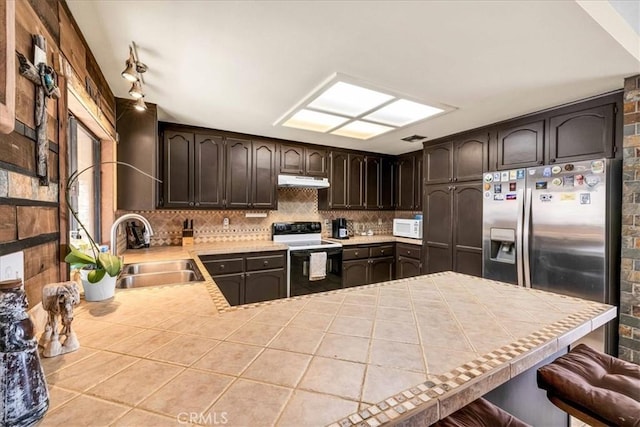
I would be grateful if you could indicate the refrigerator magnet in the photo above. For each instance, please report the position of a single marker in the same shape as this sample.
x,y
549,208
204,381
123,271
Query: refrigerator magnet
x,y
546,172
512,186
513,174
496,177
579,180
592,180
557,182
568,181
488,178
520,174
487,194
498,197
567,197
597,166
487,186
511,196
556,170
568,167
541,185
497,188
505,176
585,198
545,197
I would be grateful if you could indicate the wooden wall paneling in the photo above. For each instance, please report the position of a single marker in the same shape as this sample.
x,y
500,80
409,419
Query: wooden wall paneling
x,y
18,150
71,44
8,225
36,220
33,286
47,12
8,70
54,172
39,259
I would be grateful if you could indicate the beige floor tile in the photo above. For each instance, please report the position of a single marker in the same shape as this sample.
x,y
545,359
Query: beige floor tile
x,y
228,358
354,349
84,326
396,314
268,367
241,315
361,299
323,307
398,302
255,333
360,311
442,360
382,382
84,411
191,391
313,409
52,364
140,418
247,403
309,320
393,293
148,319
397,355
136,382
90,371
109,336
275,315
336,377
396,331
351,326
335,298
184,350
59,396
143,343
297,339
183,323
218,327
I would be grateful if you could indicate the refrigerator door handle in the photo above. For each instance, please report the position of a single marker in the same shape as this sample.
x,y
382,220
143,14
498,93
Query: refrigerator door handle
x,y
525,238
519,258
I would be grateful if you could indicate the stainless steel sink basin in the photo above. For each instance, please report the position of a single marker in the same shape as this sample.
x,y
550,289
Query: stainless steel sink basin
x,y
159,273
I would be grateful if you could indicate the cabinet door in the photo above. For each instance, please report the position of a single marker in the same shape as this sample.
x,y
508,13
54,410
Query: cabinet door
x,y
209,171
315,162
264,176
439,163
381,269
405,194
355,186
467,228
437,234
387,183
178,169
520,145
231,287
264,286
355,273
338,180
373,182
582,135
292,159
419,185
407,267
470,157
238,194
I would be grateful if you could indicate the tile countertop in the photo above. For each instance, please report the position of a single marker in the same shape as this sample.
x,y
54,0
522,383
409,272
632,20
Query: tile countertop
x,y
374,354
362,240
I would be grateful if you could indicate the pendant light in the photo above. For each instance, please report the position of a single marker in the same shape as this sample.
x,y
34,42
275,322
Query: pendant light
x,y
140,105
136,90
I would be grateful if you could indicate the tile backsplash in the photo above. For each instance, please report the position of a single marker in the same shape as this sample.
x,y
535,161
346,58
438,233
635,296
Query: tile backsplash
x,y
294,204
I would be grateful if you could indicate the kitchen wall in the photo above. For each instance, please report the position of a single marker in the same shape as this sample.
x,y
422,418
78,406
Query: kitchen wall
x,y
294,204
629,348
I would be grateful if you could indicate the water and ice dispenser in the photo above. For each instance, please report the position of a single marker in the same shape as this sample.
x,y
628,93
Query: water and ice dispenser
x,y
503,245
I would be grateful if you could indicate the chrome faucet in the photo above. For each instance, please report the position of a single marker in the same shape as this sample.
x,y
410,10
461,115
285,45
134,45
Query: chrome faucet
x,y
123,218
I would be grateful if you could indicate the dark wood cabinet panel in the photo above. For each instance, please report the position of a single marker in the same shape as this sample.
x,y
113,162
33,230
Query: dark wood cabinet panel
x,y
381,269
355,183
438,166
520,145
373,182
438,232
470,157
467,228
419,181
355,273
292,159
407,267
335,197
406,185
238,179
231,287
263,176
387,183
178,169
315,162
582,135
265,286
469,261
209,171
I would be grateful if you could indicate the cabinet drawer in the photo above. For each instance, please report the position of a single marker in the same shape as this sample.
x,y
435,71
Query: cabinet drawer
x,y
265,262
355,253
378,251
224,266
409,251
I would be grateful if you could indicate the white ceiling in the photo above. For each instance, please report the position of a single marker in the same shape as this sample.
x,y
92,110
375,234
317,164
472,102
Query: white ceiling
x,y
241,65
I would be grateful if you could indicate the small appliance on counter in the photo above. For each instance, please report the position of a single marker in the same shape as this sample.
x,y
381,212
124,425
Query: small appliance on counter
x,y
339,229
411,228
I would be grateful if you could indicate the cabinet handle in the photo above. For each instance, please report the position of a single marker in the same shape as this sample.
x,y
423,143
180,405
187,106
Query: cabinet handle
x,y
541,162
552,160
455,179
449,188
454,187
408,252
382,252
265,263
197,203
355,253
449,179
190,203
221,266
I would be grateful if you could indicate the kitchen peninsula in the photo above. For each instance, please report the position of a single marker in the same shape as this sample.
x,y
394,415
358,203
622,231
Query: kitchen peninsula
x,y
419,347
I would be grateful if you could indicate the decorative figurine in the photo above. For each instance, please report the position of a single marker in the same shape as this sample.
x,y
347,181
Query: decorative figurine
x,y
58,300
24,398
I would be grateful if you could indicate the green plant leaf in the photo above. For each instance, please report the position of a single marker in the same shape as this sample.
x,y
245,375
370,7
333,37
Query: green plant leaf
x,y
77,257
95,276
110,263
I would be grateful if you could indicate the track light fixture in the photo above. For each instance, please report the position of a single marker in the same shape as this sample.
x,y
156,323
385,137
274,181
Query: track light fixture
x,y
136,90
133,73
140,105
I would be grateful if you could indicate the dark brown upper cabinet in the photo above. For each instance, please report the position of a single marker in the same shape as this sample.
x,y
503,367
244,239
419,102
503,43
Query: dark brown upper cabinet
x,y
463,159
405,173
209,171
355,185
238,182
387,183
520,144
379,182
347,177
300,160
419,180
582,135
263,176
178,154
439,159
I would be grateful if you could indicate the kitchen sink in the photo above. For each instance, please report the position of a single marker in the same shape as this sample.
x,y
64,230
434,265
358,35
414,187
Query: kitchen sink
x,y
145,274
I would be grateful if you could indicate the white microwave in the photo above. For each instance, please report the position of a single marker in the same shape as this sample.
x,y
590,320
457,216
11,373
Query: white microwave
x,y
411,228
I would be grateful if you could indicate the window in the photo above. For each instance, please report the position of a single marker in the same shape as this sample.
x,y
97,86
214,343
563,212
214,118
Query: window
x,y
84,151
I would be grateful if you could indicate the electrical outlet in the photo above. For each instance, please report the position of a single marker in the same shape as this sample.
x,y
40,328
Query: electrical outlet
x,y
12,266
225,224
326,222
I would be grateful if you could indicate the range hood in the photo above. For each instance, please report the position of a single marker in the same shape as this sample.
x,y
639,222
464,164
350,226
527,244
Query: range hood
x,y
302,181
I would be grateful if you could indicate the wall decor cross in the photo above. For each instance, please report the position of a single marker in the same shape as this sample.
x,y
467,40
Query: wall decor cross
x,y
45,80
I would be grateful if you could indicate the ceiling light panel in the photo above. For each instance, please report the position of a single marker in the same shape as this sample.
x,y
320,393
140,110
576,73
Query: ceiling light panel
x,y
349,100
402,112
315,121
361,130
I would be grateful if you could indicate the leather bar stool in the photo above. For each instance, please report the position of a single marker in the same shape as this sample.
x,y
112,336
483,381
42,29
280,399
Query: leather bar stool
x,y
480,413
596,388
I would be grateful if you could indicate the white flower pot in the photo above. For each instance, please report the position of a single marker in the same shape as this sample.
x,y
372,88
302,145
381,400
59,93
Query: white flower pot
x,y
100,291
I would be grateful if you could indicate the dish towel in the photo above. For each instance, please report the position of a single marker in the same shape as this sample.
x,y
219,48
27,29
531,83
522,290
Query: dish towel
x,y
318,266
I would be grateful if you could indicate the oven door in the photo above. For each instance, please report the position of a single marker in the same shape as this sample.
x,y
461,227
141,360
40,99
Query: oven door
x,y
299,283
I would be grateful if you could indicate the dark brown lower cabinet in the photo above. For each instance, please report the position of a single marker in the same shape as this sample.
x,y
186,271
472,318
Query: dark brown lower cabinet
x,y
355,273
264,285
408,260
231,287
367,264
381,269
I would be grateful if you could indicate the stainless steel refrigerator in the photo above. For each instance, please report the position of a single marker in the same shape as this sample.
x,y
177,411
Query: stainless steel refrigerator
x,y
557,228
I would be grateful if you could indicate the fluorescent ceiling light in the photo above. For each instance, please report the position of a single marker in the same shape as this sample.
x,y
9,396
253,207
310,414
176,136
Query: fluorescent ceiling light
x,y
350,100
402,112
361,130
315,121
